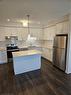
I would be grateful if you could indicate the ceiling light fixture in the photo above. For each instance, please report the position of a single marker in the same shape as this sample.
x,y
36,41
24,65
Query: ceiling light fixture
x,y
29,35
30,38
25,23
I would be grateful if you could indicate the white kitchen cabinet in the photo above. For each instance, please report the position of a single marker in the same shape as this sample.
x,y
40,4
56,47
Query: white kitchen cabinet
x,y
47,53
11,31
2,34
59,28
62,28
23,33
50,54
14,32
36,32
8,31
3,57
49,33
46,34
66,27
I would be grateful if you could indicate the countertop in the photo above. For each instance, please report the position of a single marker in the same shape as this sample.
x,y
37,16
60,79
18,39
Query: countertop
x,y
2,49
25,53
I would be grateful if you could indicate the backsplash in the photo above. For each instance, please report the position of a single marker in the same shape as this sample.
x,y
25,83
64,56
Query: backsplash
x,y
22,43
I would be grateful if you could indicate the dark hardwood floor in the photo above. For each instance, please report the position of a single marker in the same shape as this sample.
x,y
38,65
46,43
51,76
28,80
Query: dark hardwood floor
x,y
47,81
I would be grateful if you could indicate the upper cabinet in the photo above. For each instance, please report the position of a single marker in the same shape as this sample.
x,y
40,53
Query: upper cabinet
x,y
41,34
24,33
49,33
8,31
66,27
62,28
59,28
20,32
36,32
2,34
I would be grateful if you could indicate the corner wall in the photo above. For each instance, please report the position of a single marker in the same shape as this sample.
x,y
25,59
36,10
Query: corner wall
x,y
68,63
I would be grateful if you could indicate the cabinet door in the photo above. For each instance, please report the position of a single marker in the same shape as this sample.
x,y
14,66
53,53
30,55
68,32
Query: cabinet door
x,y
14,31
36,33
3,57
47,53
46,34
59,28
0,57
24,33
20,32
8,31
62,27
66,27
2,34
52,32
43,52
17,32
49,33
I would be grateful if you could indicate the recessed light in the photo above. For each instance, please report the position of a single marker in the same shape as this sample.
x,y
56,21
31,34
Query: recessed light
x,y
8,19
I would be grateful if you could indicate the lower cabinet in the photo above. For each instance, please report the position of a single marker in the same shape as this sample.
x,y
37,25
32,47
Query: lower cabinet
x,y
3,57
47,53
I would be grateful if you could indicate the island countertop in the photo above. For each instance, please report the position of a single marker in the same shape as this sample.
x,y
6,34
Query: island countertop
x,y
25,53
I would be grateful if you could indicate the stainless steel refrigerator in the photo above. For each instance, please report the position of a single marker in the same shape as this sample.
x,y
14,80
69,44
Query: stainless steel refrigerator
x,y
60,51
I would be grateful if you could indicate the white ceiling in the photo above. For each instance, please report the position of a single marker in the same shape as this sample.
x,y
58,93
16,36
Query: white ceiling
x,y
39,10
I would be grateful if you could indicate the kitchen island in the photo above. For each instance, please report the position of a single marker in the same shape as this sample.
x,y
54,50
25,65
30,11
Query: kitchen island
x,y
25,61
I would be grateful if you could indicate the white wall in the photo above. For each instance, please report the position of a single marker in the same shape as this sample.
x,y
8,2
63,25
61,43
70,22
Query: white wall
x,y
68,63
